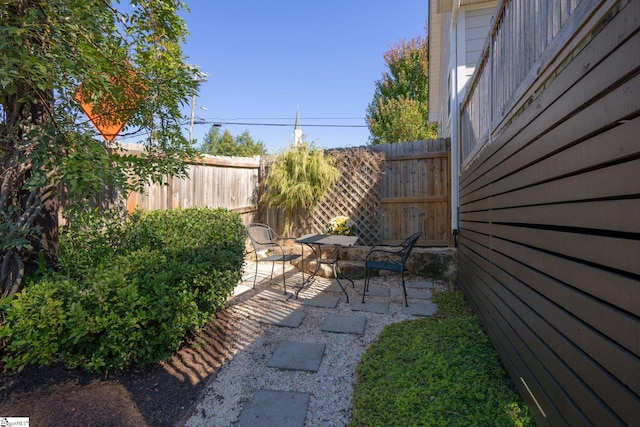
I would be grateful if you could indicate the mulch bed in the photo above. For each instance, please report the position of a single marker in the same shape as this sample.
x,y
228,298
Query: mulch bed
x,y
164,395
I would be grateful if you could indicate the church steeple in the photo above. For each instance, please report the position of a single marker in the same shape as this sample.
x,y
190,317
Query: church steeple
x,y
297,131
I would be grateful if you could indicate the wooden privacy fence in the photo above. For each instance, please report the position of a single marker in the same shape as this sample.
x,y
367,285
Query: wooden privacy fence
x,y
230,182
415,192
411,194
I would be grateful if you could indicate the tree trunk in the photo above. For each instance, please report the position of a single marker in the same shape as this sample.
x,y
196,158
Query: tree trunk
x,y
47,219
29,210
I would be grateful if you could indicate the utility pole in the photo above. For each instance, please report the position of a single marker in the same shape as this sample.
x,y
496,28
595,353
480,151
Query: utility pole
x,y
201,77
193,114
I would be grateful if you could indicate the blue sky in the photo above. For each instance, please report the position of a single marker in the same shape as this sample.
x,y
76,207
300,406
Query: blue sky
x,y
265,59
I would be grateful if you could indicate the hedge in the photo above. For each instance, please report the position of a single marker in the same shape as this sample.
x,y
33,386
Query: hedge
x,y
125,293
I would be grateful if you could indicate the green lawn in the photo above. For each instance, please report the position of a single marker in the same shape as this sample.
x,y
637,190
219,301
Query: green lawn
x,y
436,371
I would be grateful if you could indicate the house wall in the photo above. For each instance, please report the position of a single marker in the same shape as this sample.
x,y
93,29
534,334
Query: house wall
x,y
473,23
549,238
438,61
457,31
456,40
477,23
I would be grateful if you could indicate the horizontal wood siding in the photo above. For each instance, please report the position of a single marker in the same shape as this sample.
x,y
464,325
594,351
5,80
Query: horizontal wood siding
x,y
549,244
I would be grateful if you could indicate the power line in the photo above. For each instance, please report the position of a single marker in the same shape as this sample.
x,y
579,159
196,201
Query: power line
x,y
204,122
231,122
284,118
220,123
227,122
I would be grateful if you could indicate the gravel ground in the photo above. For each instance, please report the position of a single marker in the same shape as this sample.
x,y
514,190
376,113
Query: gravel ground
x,y
254,343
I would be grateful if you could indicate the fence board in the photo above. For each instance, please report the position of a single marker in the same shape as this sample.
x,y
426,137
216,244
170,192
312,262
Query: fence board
x,y
617,253
413,196
610,215
534,122
532,358
621,291
596,346
606,333
591,185
608,111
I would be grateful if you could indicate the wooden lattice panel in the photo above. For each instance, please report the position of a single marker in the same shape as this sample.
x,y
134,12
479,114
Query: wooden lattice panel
x,y
356,195
389,190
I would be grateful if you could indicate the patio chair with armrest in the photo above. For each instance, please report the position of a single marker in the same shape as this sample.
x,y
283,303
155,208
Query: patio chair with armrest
x,y
390,258
267,247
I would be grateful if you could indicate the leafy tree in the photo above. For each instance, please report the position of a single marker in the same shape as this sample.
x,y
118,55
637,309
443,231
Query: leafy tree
x,y
50,49
242,145
399,110
400,119
299,177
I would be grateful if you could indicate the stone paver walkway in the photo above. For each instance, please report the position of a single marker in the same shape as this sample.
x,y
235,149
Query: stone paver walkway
x,y
288,408
345,324
297,356
267,409
281,317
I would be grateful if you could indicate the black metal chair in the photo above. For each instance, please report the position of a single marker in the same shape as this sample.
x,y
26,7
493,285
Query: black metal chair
x,y
267,247
390,258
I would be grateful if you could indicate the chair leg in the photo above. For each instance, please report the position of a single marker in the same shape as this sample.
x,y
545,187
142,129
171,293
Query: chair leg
x,y
366,283
273,264
404,289
255,278
284,278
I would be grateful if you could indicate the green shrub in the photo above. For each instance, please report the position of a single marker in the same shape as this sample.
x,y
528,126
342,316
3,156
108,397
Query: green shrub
x,y
34,324
165,275
92,237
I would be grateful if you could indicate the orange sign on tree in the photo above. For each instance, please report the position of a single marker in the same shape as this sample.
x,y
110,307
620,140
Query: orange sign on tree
x,y
115,108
